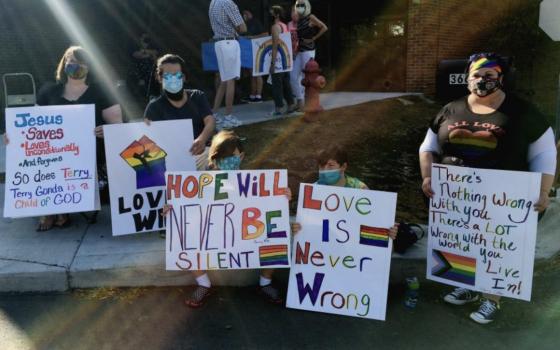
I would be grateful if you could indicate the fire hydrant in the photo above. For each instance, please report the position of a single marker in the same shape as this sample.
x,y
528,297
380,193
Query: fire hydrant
x,y
313,82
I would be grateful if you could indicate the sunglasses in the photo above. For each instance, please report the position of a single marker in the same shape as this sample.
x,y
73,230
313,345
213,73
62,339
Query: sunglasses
x,y
300,5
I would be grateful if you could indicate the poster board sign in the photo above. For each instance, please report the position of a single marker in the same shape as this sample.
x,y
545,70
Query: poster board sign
x,y
482,229
262,55
341,258
138,155
227,220
50,160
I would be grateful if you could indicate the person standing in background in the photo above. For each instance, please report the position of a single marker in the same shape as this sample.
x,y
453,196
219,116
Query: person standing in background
x,y
227,23
255,29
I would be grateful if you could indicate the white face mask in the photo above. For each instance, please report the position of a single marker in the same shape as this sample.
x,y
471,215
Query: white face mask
x,y
300,10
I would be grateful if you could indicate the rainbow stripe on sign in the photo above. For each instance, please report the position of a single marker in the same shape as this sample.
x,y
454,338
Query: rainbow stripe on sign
x,y
454,267
265,48
273,255
375,236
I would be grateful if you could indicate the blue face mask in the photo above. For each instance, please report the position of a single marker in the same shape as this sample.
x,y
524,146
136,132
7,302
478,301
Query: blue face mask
x,y
172,83
229,163
328,177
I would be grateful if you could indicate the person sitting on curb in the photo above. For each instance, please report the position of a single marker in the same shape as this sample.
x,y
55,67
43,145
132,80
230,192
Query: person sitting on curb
x,y
226,153
333,163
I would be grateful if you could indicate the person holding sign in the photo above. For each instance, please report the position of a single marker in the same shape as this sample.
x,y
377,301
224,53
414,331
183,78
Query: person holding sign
x,y
176,102
333,163
226,153
281,88
489,129
74,87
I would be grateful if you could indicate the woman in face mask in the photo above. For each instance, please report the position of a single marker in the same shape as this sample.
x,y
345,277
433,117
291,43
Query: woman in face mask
x,y
309,29
489,129
74,86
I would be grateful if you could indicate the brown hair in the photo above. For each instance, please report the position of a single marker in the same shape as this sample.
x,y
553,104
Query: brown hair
x,y
79,54
223,145
171,59
277,11
333,152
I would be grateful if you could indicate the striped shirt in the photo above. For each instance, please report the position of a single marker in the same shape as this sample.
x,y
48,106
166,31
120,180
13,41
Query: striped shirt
x,y
224,18
306,31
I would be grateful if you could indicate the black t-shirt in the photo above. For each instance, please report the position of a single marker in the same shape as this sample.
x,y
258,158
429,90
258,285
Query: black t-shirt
x,y
52,96
196,108
499,140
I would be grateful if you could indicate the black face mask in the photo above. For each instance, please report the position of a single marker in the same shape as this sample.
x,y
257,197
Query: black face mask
x,y
485,86
175,97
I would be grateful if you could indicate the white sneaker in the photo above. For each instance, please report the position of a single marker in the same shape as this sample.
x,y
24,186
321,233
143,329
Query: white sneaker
x,y
230,121
486,312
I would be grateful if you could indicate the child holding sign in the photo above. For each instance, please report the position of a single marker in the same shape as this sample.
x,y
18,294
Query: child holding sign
x,y
333,163
226,153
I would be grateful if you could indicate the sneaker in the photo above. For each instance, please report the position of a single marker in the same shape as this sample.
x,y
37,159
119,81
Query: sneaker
x,y
460,296
271,294
275,114
255,100
198,297
486,312
230,121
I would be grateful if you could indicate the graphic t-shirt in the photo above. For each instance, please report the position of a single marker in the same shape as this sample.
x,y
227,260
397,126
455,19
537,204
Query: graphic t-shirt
x,y
498,140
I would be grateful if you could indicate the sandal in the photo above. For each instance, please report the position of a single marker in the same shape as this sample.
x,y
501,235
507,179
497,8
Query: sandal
x,y
198,297
63,221
45,223
271,294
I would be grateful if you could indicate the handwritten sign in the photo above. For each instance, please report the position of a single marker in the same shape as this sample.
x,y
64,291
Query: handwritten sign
x,y
51,162
262,55
342,256
138,155
227,220
483,229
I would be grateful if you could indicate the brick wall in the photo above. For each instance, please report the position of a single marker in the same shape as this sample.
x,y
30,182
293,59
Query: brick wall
x,y
446,29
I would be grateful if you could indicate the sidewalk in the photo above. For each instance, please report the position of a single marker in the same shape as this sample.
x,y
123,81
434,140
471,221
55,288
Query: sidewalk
x,y
252,113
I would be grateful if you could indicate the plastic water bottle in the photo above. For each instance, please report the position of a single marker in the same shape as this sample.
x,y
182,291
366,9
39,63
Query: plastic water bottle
x,y
411,294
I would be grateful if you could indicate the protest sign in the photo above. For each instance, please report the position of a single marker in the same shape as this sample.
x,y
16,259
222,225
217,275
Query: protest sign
x,y
137,157
342,256
50,160
262,55
227,220
483,229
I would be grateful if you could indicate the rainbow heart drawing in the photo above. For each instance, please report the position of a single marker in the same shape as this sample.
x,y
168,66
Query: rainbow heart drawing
x,y
454,267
